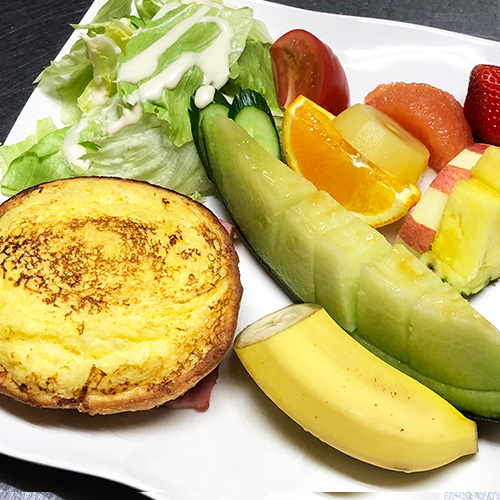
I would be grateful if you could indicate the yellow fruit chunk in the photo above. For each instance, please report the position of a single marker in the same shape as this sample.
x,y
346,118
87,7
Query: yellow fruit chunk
x,y
487,168
383,141
314,148
466,249
344,395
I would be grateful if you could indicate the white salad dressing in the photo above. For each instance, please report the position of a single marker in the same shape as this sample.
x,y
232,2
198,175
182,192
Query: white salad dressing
x,y
128,117
204,96
213,61
144,64
173,5
71,149
99,96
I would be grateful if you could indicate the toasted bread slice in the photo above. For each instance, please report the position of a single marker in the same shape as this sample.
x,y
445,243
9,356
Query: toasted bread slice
x,y
115,295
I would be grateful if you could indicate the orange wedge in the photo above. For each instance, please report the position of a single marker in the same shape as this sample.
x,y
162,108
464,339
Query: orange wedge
x,y
314,148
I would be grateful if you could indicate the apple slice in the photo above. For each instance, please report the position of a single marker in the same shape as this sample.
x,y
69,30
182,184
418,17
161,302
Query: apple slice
x,y
420,226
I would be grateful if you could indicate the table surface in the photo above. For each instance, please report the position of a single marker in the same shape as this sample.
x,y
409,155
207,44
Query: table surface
x,y
33,33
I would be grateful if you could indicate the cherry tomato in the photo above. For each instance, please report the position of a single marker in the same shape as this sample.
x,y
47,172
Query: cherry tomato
x,y
304,65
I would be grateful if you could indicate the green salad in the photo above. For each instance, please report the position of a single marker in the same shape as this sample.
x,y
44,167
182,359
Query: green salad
x,y
125,89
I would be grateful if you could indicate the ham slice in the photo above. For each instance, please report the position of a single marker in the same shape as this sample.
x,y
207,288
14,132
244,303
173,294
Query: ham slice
x,y
198,397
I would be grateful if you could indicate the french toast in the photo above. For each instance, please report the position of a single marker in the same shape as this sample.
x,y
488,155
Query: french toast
x,y
115,295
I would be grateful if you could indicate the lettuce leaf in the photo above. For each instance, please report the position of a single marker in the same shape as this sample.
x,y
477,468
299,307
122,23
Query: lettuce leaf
x,y
147,9
8,153
253,70
150,156
42,162
92,61
69,76
141,151
171,104
113,9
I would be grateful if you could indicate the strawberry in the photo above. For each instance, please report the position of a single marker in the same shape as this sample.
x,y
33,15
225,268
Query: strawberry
x,y
482,103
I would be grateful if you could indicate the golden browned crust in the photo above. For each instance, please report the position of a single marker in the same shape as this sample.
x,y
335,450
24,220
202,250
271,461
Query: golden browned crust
x,y
115,295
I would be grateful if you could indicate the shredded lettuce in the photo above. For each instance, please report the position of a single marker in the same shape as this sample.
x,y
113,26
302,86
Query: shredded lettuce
x,y
151,156
117,133
42,162
113,9
172,105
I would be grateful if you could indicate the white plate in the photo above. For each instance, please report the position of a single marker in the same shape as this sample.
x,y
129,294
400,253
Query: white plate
x,y
244,443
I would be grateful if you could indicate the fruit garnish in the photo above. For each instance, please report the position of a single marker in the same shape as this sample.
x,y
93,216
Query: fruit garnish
x,y
482,103
340,392
487,168
466,249
450,348
430,114
383,141
314,148
419,228
304,65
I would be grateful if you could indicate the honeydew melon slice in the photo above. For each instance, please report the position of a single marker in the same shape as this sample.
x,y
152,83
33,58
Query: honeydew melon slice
x,y
322,247
387,292
474,402
339,255
451,342
259,191
316,213
255,186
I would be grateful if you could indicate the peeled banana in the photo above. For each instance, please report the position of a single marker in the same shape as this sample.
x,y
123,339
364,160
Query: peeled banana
x,y
347,397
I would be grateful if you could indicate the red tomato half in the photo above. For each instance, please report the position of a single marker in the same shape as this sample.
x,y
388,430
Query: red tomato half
x,y
304,65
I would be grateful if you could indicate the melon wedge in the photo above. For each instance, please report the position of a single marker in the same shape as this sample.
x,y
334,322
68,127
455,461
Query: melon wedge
x,y
427,326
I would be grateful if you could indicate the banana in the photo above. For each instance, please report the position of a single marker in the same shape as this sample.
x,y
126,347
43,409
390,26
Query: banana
x,y
341,393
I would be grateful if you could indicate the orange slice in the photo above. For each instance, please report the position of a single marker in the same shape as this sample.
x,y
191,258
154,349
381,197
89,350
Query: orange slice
x,y
314,148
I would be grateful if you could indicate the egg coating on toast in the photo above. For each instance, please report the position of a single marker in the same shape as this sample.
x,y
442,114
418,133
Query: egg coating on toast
x,y
115,295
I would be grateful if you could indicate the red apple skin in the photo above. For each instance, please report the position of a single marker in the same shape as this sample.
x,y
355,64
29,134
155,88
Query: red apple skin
x,y
448,177
478,147
417,236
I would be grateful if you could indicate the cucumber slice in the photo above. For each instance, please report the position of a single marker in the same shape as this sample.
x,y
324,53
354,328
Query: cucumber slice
x,y
219,105
250,110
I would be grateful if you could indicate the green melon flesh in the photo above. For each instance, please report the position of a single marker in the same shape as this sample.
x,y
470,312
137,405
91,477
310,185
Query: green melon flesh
x,y
252,183
317,212
329,245
466,249
452,350
339,255
476,403
451,342
387,291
